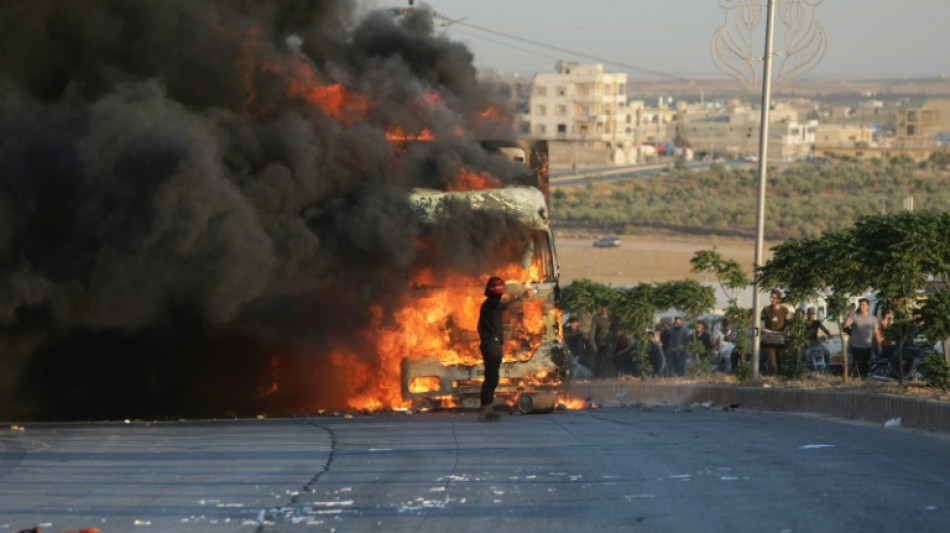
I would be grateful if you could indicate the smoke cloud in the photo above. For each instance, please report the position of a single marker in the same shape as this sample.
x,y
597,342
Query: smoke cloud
x,y
196,192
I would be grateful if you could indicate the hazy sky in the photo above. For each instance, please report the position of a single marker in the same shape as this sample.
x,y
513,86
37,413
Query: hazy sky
x,y
866,38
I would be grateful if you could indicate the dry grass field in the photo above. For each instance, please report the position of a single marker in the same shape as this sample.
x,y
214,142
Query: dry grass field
x,y
646,258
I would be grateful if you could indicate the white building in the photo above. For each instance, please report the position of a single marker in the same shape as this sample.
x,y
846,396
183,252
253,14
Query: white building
x,y
583,113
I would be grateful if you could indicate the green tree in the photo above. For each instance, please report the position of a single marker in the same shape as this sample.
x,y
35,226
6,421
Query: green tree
x,y
729,274
637,311
689,296
585,295
902,253
829,267
940,158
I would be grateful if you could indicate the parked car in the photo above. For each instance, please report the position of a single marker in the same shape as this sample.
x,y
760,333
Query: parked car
x,y
608,241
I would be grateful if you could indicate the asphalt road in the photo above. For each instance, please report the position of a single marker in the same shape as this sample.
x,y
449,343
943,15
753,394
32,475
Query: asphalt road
x,y
606,469
568,177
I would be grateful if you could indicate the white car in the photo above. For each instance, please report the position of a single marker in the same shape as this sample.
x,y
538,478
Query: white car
x,y
608,241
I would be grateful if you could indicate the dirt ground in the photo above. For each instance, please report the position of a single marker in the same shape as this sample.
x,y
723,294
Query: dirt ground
x,y
646,258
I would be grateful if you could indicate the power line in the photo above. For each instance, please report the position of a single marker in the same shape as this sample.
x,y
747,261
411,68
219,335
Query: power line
x,y
628,66
509,45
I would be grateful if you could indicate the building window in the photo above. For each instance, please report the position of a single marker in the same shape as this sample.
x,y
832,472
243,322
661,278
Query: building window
x,y
541,110
562,128
540,90
560,110
525,128
911,116
541,129
911,131
562,91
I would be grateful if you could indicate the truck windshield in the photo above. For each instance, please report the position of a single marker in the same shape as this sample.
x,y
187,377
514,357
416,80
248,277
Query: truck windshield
x,y
528,259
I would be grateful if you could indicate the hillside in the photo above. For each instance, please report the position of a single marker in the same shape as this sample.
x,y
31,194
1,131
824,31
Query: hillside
x,y
803,200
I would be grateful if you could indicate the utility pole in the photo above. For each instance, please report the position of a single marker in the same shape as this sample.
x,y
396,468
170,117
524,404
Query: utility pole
x,y
732,52
763,157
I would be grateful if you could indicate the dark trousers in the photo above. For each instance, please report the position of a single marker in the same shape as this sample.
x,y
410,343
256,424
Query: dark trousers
x,y
604,364
862,358
773,356
679,357
735,359
491,355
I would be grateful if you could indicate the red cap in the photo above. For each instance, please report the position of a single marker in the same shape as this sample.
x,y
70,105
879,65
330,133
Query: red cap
x,y
495,285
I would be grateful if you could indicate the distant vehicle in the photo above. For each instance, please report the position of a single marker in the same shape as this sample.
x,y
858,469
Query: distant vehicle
x,y
751,158
719,160
608,241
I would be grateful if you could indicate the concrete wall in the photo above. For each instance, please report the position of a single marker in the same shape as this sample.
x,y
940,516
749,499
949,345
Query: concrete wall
x,y
913,412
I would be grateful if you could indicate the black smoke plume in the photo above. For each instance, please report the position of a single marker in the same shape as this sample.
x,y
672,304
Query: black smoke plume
x,y
179,215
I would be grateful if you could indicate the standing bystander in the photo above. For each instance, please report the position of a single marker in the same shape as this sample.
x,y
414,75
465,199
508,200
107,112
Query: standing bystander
x,y
774,327
677,354
865,332
603,333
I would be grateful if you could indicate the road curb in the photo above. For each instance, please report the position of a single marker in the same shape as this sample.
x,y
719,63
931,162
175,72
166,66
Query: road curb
x,y
913,412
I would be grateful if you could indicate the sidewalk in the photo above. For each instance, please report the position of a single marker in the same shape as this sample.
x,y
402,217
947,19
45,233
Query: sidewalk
x,y
913,412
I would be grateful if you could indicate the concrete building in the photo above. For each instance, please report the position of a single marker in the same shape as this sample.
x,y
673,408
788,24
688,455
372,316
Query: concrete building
x,y
927,126
583,113
837,136
854,141
734,133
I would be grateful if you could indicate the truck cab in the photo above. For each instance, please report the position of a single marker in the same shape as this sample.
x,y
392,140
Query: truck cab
x,y
448,371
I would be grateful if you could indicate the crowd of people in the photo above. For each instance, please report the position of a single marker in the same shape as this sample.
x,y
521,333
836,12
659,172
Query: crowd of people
x,y
600,348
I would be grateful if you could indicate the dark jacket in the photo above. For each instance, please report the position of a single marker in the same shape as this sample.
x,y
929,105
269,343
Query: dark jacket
x,y
491,328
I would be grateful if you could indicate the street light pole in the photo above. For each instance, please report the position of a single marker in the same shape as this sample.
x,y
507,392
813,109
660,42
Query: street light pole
x,y
763,157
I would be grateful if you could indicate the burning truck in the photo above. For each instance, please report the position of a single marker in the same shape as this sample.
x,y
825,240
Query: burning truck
x,y
449,369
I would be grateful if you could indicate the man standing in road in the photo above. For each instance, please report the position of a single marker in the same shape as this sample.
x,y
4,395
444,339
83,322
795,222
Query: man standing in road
x,y
491,334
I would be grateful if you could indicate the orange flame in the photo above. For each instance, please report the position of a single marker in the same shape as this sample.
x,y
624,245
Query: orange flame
x,y
440,322
396,134
433,99
492,114
467,180
333,99
570,402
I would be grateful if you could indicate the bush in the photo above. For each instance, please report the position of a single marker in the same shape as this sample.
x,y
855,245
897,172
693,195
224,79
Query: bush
x,y
791,364
744,372
699,368
935,370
